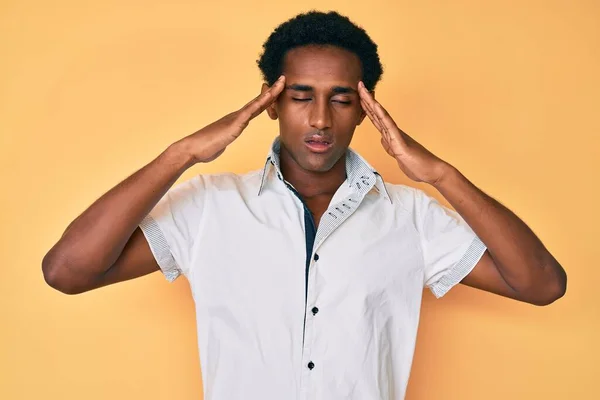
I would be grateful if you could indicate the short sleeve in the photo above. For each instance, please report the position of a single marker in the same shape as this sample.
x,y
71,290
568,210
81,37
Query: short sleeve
x,y
450,247
172,225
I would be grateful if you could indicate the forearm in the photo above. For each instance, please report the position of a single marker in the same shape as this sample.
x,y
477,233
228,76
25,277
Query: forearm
x,y
96,238
521,258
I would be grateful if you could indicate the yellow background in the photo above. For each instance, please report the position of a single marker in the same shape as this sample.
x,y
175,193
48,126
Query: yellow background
x,y
92,91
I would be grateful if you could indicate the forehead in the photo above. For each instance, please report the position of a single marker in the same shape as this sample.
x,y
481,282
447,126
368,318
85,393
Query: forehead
x,y
321,65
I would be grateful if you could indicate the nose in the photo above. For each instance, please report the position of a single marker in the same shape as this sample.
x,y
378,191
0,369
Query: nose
x,y
320,115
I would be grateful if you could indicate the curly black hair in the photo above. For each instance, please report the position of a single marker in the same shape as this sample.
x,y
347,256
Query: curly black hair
x,y
315,27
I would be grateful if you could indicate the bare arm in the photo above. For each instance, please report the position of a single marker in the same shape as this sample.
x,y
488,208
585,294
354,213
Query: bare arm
x,y
516,263
104,244
92,243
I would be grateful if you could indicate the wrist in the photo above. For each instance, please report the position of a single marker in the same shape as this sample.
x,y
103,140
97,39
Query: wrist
x,y
180,153
447,174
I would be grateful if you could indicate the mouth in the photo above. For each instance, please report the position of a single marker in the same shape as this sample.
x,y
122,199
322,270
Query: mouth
x,y
317,145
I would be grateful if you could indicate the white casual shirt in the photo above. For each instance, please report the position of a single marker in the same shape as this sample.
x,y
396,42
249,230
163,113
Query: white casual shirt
x,y
280,317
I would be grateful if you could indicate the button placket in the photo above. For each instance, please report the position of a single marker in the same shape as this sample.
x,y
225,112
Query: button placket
x,y
308,359
332,219
315,310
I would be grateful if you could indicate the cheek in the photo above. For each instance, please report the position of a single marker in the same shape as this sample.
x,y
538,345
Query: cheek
x,y
284,108
290,122
289,119
350,117
292,117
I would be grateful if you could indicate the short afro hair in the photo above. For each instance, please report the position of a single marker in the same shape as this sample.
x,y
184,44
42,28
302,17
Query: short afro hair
x,y
318,28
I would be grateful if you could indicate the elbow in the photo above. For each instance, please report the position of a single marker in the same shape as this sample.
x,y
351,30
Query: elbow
x,y
553,290
57,276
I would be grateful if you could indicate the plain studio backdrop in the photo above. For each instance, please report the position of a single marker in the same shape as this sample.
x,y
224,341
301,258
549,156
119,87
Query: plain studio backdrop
x,y
90,91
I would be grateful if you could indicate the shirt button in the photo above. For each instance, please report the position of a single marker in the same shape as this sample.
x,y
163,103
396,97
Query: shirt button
x,y
311,365
315,310
316,257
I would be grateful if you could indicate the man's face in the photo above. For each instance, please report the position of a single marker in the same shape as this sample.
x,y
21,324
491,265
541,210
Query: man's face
x,y
320,107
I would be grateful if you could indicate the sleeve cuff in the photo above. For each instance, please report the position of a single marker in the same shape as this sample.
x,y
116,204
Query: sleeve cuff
x,y
160,248
461,269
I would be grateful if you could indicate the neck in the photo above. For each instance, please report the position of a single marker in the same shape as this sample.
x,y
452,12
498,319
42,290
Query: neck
x,y
310,183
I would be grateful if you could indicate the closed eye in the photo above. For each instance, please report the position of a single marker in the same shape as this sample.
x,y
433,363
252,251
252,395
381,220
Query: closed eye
x,y
335,101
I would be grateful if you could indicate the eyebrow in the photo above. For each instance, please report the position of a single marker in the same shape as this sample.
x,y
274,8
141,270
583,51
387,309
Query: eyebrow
x,y
335,89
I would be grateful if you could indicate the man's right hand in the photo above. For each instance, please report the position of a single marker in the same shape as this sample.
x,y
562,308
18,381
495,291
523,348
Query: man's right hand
x,y
105,244
211,141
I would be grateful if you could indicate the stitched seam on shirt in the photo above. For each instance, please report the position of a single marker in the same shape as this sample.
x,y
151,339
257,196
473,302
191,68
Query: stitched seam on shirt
x,y
160,248
460,269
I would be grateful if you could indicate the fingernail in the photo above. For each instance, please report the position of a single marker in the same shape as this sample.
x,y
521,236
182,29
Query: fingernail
x,y
280,78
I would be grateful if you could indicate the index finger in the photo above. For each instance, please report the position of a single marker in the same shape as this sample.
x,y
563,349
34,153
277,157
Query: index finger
x,y
379,115
264,100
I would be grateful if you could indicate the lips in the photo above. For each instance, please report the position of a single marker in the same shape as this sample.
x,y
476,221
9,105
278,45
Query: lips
x,y
318,139
318,144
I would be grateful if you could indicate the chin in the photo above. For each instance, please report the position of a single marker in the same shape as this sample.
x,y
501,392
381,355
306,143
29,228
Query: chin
x,y
323,168
318,165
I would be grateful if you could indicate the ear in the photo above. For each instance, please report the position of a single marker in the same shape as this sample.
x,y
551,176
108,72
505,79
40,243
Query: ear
x,y
363,113
271,111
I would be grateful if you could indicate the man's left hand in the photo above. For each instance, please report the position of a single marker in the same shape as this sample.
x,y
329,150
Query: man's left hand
x,y
418,163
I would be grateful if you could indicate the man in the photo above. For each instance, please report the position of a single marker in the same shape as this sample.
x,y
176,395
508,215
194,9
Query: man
x,y
308,273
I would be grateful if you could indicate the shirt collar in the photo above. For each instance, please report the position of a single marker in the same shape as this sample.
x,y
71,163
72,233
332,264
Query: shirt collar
x,y
359,173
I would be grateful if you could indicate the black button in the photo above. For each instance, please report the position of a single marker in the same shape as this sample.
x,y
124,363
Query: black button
x,y
311,365
315,310
316,257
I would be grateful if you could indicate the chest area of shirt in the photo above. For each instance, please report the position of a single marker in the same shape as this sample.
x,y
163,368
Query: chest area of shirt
x,y
267,246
